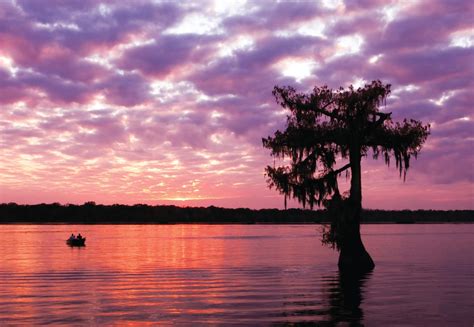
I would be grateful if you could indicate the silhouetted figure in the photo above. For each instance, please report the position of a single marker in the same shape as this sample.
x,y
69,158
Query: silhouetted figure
x,y
76,241
328,124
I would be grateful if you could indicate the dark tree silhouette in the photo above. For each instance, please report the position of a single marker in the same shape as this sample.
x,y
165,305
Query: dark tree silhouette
x,y
328,125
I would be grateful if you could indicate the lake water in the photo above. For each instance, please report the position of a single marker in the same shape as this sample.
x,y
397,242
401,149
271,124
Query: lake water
x,y
233,274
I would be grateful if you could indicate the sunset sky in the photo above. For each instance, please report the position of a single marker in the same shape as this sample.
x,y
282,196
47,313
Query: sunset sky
x,y
167,102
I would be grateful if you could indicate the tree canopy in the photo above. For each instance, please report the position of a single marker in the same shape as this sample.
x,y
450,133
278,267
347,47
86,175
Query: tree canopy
x,y
327,125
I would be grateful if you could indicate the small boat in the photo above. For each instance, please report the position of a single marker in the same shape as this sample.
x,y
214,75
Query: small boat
x,y
76,242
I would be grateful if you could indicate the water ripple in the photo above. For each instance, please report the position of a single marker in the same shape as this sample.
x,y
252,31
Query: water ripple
x,y
222,278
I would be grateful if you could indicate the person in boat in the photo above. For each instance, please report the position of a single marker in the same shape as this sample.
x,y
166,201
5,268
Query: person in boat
x,y
72,237
79,236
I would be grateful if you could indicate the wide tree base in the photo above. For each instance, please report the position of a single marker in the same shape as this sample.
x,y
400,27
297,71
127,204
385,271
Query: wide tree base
x,y
351,261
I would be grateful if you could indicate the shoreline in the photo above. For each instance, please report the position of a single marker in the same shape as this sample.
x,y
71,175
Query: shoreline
x,y
91,213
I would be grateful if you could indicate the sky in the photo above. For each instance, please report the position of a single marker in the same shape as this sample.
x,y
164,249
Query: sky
x,y
167,102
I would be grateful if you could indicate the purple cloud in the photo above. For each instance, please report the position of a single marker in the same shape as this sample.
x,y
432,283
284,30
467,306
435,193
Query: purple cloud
x,y
165,54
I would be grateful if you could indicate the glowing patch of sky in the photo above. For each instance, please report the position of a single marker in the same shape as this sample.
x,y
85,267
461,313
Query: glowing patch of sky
x,y
231,8
8,64
398,91
242,42
359,82
315,27
104,10
375,58
333,4
98,103
347,45
166,91
299,69
443,98
463,39
197,23
58,25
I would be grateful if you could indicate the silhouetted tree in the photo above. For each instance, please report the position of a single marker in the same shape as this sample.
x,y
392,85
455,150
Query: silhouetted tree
x,y
327,125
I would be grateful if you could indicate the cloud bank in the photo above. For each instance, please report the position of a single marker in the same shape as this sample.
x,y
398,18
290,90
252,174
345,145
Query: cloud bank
x,y
162,102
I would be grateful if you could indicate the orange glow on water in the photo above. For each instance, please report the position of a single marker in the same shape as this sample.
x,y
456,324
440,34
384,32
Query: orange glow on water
x,y
209,274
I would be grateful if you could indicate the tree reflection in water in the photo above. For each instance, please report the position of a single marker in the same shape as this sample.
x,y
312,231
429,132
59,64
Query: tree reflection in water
x,y
346,294
340,302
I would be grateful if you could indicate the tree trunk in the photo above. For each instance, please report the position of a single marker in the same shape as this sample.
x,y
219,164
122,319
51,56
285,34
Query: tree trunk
x,y
353,255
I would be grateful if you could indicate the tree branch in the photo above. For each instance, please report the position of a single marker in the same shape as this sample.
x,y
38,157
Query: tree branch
x,y
328,113
382,117
340,170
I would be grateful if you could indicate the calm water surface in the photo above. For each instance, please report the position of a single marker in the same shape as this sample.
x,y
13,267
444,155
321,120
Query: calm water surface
x,y
225,274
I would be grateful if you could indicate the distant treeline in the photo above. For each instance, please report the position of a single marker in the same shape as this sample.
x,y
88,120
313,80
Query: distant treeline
x,y
92,213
